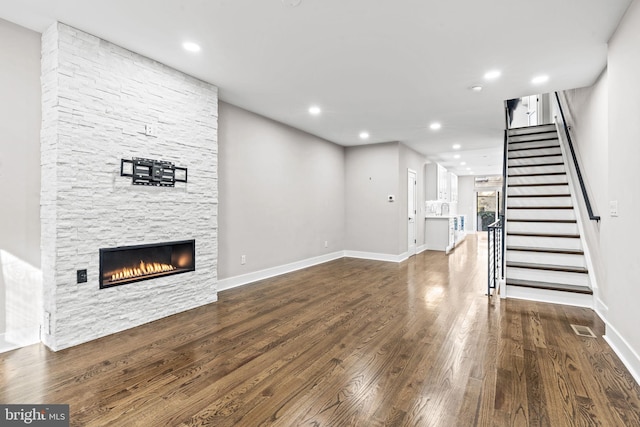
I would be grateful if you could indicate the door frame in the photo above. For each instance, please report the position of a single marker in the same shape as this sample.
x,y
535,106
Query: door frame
x,y
412,199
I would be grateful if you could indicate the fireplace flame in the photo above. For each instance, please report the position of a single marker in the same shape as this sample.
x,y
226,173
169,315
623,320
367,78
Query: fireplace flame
x,y
144,269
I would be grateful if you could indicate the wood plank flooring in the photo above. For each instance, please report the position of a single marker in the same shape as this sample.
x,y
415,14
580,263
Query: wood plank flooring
x,y
347,343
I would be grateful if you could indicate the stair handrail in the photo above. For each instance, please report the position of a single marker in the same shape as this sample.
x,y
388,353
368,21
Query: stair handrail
x,y
585,195
495,246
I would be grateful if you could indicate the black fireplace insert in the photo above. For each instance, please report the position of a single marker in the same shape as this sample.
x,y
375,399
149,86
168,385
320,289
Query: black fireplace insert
x,y
129,264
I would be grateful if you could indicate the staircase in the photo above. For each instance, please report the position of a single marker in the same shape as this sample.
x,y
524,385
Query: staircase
x,y
544,256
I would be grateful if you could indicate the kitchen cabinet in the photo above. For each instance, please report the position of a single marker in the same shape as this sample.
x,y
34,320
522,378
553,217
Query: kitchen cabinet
x,y
437,182
453,187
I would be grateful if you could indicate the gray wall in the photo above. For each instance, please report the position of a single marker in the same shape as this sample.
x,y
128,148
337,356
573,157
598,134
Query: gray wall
x,y
371,220
281,193
410,159
19,150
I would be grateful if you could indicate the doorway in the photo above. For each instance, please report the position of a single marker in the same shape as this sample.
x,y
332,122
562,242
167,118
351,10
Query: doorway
x,y
487,203
412,195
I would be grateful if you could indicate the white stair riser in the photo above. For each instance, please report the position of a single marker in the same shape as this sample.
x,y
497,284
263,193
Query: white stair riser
x,y
535,169
533,137
545,189
532,144
539,201
545,295
541,214
567,260
527,129
542,227
536,152
536,161
543,179
560,277
544,242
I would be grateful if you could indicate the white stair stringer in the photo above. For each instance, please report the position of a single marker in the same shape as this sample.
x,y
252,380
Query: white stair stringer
x,y
544,253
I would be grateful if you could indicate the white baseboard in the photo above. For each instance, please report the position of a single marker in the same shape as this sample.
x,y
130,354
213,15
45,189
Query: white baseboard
x,y
421,249
244,279
17,339
625,352
550,296
233,282
601,309
377,256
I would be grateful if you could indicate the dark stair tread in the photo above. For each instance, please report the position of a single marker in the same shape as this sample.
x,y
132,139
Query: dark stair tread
x,y
547,267
555,235
537,165
519,196
534,127
550,286
535,156
539,207
540,184
544,147
546,250
553,221
536,174
551,138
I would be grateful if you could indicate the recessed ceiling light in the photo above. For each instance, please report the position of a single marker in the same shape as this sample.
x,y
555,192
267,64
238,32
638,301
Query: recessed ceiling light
x,y
364,135
456,146
463,163
493,74
314,110
191,46
468,169
435,126
456,156
476,88
540,79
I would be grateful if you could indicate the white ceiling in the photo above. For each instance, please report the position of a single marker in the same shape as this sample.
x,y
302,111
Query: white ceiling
x,y
390,67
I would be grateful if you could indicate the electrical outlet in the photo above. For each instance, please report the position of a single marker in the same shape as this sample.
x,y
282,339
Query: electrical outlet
x,y
81,276
326,243
150,130
243,259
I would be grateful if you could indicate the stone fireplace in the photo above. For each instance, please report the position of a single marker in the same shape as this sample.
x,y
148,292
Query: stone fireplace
x,y
99,100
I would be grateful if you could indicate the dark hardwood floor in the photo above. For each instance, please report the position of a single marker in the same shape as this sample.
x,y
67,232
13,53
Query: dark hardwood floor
x,y
350,342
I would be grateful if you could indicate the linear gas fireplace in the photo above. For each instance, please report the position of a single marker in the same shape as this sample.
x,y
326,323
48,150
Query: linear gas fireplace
x,y
128,264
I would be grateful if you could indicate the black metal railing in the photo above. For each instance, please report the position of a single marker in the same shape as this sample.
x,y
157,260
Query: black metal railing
x,y
495,245
585,195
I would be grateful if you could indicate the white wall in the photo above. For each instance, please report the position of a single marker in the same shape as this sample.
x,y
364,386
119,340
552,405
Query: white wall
x,y
467,201
281,193
586,110
19,167
620,235
97,98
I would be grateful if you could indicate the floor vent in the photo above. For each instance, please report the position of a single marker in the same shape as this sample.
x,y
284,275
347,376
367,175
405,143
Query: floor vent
x,y
583,331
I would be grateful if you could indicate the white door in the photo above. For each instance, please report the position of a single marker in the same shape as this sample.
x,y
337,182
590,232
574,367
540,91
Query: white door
x,y
532,109
412,194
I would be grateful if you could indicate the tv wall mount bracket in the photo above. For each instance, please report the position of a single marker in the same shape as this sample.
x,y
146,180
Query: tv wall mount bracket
x,y
152,172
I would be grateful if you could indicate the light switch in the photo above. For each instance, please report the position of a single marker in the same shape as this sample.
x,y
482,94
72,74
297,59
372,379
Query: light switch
x,y
613,208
